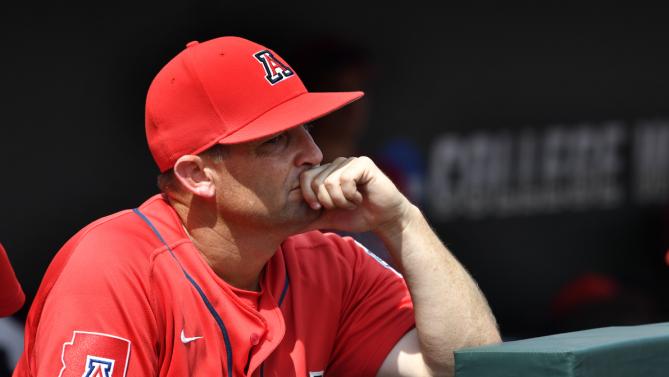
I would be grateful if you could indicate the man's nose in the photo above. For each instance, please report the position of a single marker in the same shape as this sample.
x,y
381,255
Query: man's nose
x,y
309,152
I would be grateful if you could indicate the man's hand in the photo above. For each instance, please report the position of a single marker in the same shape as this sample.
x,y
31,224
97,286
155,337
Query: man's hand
x,y
354,194
450,311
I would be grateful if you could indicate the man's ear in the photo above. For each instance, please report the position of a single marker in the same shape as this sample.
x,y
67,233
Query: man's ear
x,y
191,173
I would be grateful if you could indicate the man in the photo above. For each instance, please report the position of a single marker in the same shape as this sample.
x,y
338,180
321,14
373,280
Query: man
x,y
226,274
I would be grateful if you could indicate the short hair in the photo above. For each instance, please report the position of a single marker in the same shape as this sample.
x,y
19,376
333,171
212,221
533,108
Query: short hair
x,y
168,183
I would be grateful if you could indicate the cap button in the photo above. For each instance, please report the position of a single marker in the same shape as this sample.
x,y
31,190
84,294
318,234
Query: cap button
x,y
192,43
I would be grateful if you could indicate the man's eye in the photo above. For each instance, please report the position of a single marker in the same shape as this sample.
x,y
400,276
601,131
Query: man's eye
x,y
308,127
275,140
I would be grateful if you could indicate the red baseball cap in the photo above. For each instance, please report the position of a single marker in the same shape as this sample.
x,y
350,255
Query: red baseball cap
x,y
227,90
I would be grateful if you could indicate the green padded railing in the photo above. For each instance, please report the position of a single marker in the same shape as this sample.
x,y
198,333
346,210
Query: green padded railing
x,y
626,351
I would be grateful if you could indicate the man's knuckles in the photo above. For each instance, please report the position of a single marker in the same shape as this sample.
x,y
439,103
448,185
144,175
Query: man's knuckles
x,y
331,183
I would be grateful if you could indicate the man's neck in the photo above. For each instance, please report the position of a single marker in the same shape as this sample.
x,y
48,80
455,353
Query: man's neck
x,y
236,254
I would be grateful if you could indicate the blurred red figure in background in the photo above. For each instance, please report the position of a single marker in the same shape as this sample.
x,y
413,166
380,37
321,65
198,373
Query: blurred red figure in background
x,y
596,300
11,294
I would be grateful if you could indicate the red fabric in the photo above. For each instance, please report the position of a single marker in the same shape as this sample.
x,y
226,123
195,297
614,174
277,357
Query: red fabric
x,y
11,294
250,298
342,312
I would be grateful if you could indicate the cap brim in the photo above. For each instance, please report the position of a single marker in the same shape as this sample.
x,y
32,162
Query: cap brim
x,y
302,109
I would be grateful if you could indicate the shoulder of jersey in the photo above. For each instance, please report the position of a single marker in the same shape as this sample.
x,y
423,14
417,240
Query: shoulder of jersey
x,y
121,236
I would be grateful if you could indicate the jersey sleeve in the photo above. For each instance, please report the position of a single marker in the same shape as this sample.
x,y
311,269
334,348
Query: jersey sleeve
x,y
11,294
376,313
96,318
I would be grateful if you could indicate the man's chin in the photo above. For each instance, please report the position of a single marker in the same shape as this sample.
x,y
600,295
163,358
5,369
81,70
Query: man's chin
x,y
304,217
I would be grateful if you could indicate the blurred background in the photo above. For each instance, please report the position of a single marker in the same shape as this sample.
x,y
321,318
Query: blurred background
x,y
535,138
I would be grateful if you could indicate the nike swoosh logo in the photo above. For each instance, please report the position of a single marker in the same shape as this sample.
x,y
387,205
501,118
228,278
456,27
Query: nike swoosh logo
x,y
186,340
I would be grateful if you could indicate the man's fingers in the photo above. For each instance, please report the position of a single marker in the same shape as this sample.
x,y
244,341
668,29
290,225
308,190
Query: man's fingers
x,y
312,179
329,168
333,186
352,184
308,192
322,186
349,188
324,197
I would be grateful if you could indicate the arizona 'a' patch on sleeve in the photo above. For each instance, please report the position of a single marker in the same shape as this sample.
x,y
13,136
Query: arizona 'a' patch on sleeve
x,y
91,354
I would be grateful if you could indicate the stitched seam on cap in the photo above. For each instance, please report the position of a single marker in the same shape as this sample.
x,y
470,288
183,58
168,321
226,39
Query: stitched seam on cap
x,y
189,67
159,152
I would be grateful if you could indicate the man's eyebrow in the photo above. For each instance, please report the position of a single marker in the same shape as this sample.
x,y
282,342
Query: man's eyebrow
x,y
307,126
272,136
260,141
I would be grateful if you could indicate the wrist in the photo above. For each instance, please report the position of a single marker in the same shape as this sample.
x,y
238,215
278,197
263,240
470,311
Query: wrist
x,y
393,229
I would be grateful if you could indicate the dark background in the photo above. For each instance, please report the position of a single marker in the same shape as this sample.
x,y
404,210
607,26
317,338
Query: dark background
x,y
73,147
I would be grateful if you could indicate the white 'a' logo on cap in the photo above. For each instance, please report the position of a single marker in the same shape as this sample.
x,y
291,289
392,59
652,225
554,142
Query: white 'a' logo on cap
x,y
275,69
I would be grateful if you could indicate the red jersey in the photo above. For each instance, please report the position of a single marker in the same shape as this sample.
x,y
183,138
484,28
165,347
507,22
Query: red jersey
x,y
130,295
11,294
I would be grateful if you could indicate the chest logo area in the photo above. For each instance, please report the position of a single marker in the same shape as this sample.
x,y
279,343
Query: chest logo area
x,y
186,340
